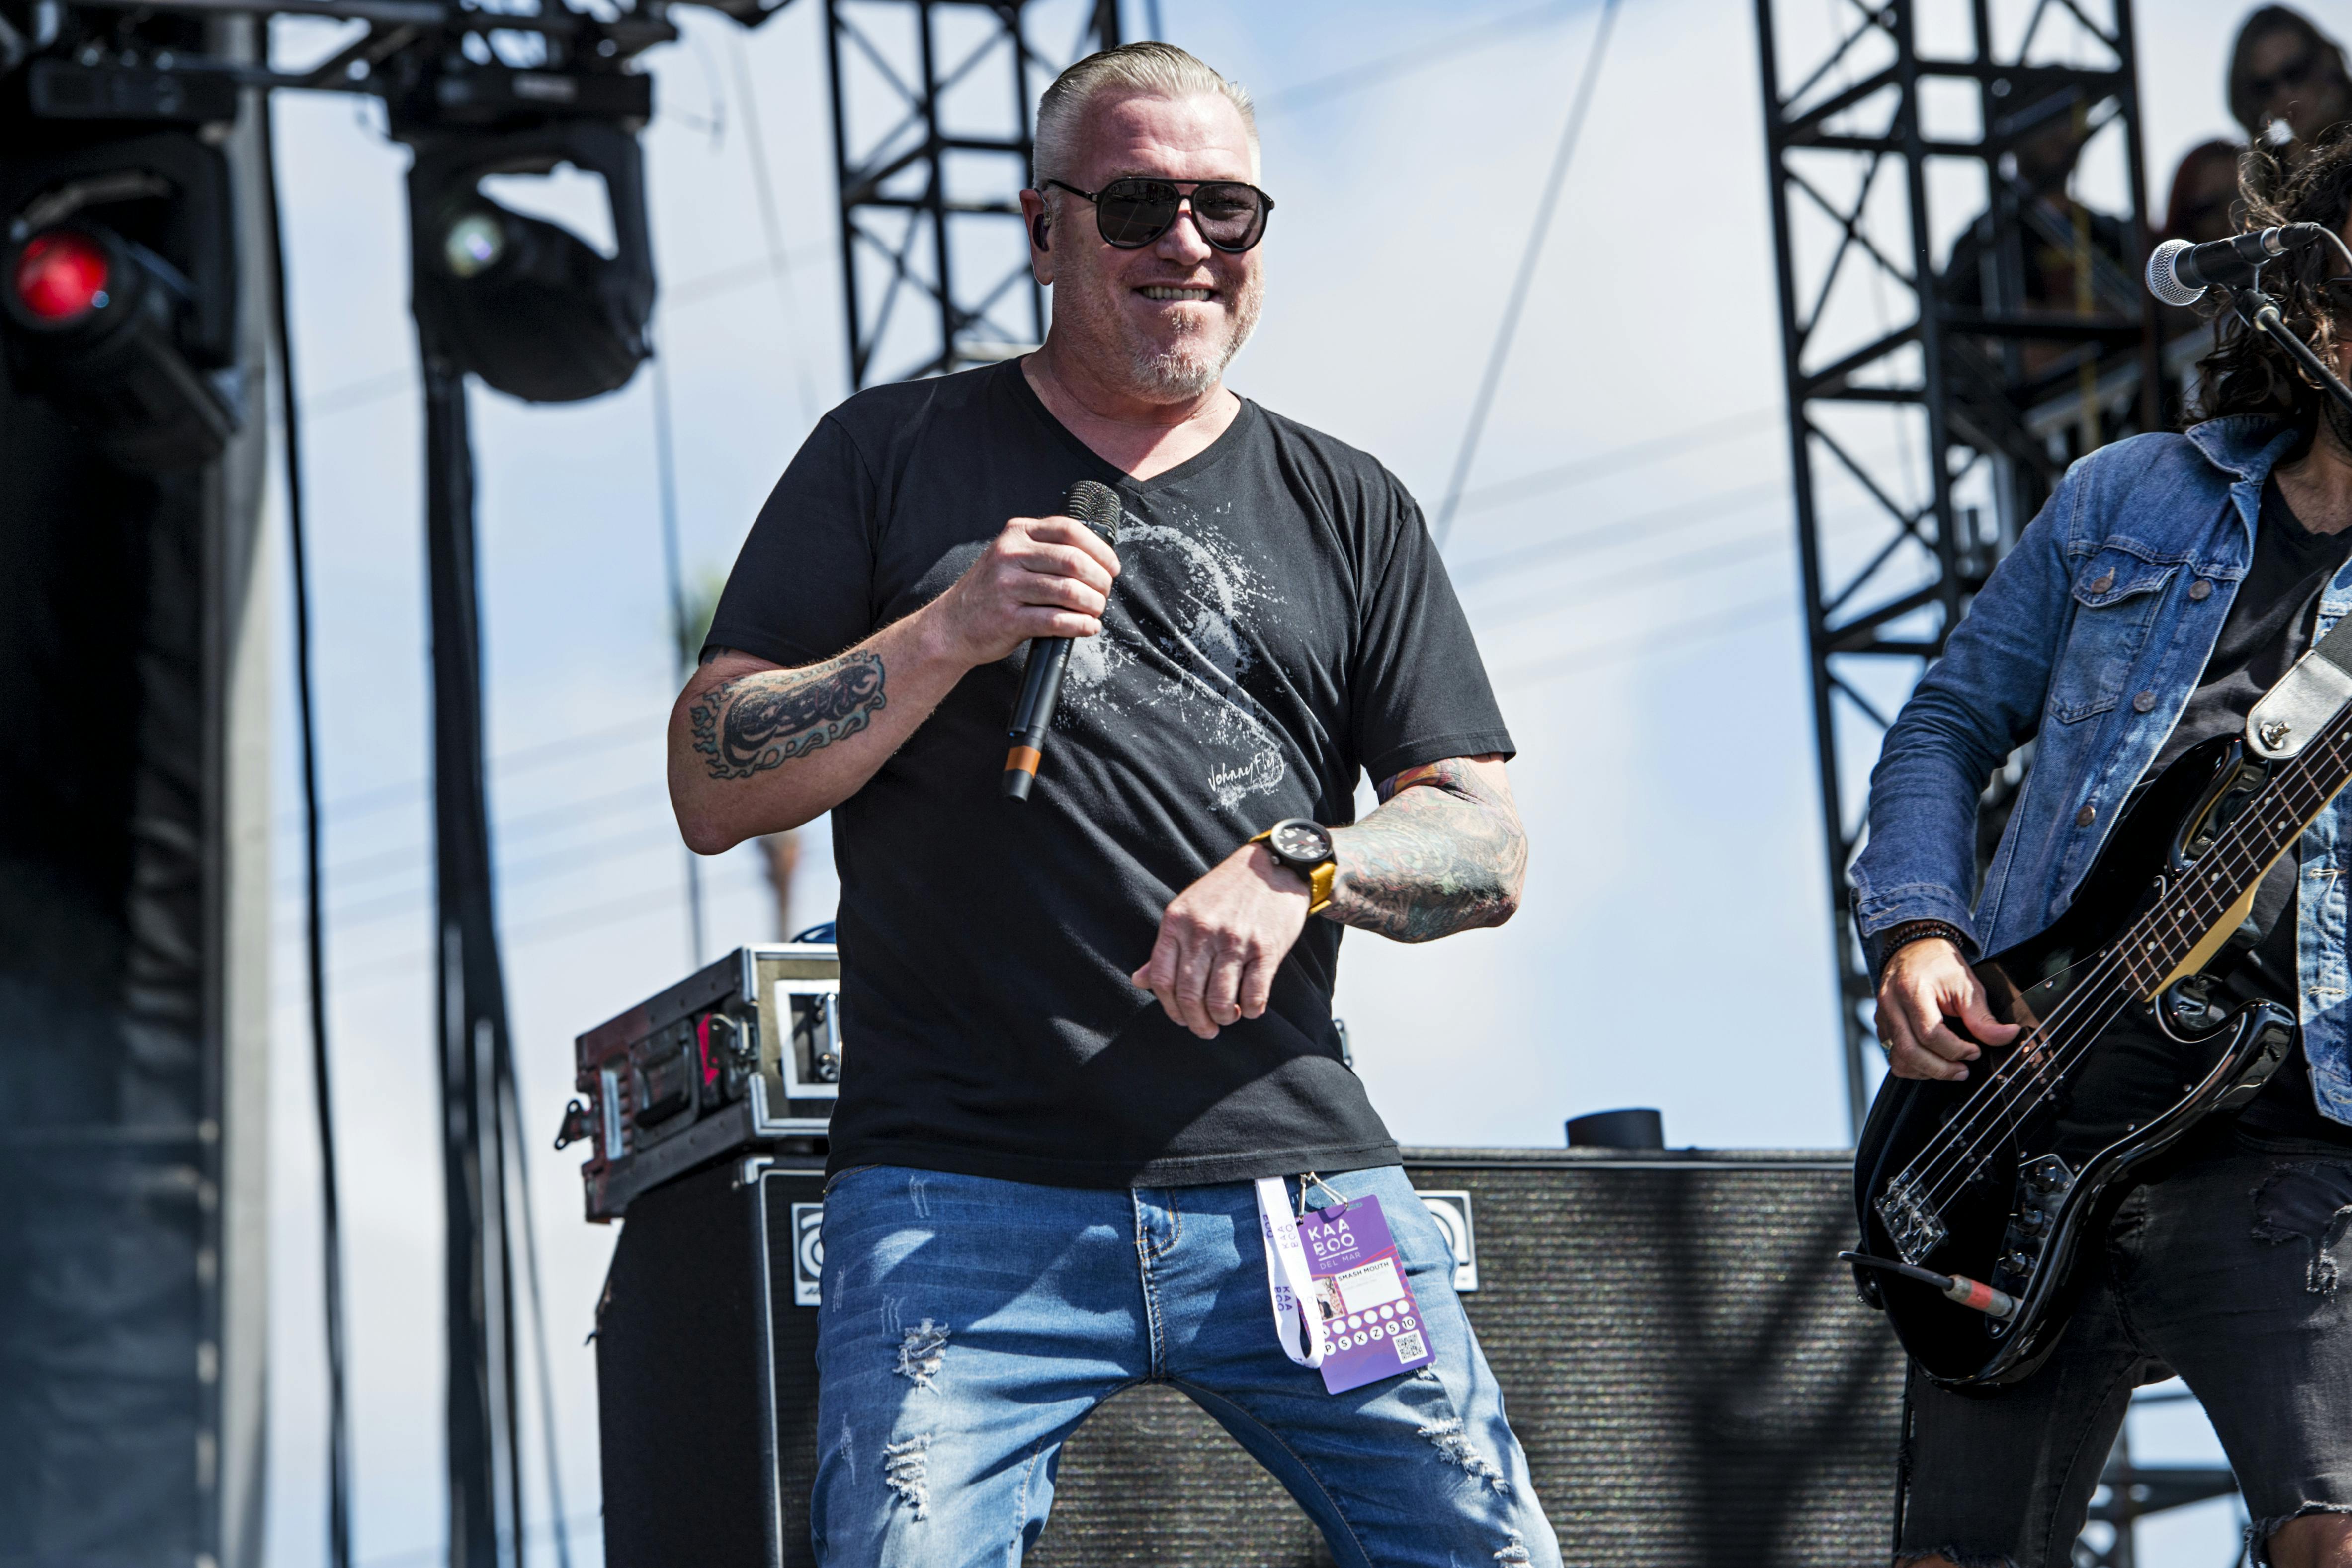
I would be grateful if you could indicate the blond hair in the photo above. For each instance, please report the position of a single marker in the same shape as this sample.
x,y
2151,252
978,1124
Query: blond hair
x,y
1153,69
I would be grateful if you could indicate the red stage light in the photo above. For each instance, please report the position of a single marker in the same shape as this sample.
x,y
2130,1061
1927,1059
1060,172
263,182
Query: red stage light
x,y
61,275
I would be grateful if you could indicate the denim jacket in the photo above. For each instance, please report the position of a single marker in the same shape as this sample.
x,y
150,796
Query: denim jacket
x,y
2088,639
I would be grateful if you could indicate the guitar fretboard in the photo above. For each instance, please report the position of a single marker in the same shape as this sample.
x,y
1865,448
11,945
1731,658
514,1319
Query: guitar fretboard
x,y
2297,791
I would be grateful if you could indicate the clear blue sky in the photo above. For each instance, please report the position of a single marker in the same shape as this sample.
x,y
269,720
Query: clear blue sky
x,y
1673,947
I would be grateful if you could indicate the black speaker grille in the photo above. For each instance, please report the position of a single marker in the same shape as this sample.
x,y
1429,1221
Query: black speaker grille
x,y
1680,1353
1152,1480
1683,1357
1684,1360
677,1396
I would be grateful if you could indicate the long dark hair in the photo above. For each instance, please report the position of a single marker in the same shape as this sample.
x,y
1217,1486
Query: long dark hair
x,y
2246,373
2271,19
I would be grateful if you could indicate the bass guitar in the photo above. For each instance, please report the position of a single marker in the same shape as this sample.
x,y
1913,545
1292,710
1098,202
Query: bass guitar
x,y
1977,1199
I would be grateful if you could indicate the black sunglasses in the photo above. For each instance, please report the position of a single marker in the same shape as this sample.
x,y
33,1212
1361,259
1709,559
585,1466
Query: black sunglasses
x,y
2294,74
1133,212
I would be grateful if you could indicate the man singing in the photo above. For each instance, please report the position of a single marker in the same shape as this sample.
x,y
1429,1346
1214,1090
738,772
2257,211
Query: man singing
x,y
2170,580
1083,1027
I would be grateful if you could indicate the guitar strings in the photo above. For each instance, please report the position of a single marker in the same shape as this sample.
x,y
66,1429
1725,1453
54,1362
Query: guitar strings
x,y
2040,1068
2030,1061
1990,1115
2028,1078
2229,845
2040,1054
2041,1057
2041,1082
2060,1056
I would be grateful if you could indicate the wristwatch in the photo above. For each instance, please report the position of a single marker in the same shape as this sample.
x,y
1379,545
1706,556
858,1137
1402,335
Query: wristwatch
x,y
1306,848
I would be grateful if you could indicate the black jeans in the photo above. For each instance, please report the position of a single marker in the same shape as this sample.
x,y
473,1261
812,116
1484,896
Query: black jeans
x,y
2225,1270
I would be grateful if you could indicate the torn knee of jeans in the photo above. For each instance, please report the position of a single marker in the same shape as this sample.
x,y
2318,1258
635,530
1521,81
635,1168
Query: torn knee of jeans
x,y
2259,1532
921,1352
1959,1557
2309,1203
1514,1553
906,1467
1453,1446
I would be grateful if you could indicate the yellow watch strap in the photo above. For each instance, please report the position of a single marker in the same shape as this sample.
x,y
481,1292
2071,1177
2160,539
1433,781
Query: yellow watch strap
x,y
1318,880
1319,886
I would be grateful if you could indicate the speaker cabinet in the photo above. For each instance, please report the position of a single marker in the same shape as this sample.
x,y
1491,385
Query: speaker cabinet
x,y
1682,1355
706,1372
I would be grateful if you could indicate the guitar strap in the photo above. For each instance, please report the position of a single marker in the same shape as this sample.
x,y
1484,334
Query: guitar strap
x,y
2305,698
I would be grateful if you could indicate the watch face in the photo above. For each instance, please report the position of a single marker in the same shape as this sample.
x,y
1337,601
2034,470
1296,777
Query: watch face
x,y
1301,843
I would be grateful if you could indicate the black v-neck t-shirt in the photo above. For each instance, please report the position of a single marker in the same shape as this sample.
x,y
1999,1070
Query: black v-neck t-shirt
x,y
1281,624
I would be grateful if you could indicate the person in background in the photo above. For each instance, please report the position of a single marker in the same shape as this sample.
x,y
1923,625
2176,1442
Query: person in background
x,y
2204,193
2063,237
2069,259
2288,84
2204,207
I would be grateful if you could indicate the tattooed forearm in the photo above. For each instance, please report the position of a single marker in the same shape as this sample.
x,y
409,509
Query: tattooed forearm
x,y
1444,853
764,720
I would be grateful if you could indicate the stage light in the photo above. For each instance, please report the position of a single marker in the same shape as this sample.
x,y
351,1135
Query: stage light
x,y
528,305
99,329
474,243
62,276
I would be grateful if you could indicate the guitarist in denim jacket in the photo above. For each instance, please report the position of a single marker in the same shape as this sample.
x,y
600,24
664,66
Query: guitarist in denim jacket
x,y
2167,583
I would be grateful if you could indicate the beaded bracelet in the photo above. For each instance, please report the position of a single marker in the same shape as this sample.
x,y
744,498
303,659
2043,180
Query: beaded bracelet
x,y
1912,931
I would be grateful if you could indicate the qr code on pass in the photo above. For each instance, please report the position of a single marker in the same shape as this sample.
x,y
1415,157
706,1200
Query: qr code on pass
x,y
1408,1346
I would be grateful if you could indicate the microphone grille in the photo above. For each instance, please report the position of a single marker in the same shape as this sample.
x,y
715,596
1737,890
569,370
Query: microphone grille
x,y
2164,282
1096,505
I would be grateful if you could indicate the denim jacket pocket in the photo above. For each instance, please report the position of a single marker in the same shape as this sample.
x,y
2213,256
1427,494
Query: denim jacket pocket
x,y
2116,593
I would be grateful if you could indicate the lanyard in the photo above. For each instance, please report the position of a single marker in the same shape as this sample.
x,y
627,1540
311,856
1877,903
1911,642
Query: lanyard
x,y
1287,1282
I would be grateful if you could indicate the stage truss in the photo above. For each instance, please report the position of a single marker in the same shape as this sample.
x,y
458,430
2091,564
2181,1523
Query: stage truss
x,y
1916,258
931,121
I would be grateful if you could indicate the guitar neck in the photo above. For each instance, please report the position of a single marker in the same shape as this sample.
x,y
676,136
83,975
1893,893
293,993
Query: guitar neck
x,y
2201,907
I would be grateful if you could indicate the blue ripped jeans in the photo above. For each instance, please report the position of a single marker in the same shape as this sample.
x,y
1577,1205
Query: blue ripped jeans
x,y
969,1325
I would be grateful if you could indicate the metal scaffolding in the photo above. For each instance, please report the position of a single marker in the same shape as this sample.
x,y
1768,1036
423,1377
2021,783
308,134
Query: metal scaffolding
x,y
1958,219
932,123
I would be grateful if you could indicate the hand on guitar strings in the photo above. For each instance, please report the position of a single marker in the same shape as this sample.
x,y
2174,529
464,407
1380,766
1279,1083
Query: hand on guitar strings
x,y
1928,989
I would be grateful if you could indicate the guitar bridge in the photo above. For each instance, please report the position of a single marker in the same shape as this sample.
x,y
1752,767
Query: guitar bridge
x,y
1913,1223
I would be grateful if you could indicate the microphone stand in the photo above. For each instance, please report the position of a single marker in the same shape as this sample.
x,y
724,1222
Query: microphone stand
x,y
2261,312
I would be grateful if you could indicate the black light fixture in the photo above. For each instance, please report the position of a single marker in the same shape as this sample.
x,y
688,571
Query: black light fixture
x,y
526,305
98,318
126,343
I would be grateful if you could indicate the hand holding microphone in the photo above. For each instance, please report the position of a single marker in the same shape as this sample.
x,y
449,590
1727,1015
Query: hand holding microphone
x,y
1042,582
1097,506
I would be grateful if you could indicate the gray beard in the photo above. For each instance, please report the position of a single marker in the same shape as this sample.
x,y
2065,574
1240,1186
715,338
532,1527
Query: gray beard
x,y
1183,371
1190,367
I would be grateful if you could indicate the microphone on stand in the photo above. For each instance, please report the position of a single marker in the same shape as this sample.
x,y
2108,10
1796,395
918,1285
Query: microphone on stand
x,y
1097,506
2180,273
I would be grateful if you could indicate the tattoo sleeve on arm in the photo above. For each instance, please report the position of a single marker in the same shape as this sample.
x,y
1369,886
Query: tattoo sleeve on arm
x,y
1444,853
763,720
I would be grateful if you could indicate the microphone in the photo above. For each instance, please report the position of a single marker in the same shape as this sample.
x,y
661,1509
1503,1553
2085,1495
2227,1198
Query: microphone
x,y
2180,273
1098,507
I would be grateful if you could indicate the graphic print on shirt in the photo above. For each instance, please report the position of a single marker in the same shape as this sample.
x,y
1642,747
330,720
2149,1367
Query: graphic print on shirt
x,y
1209,599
